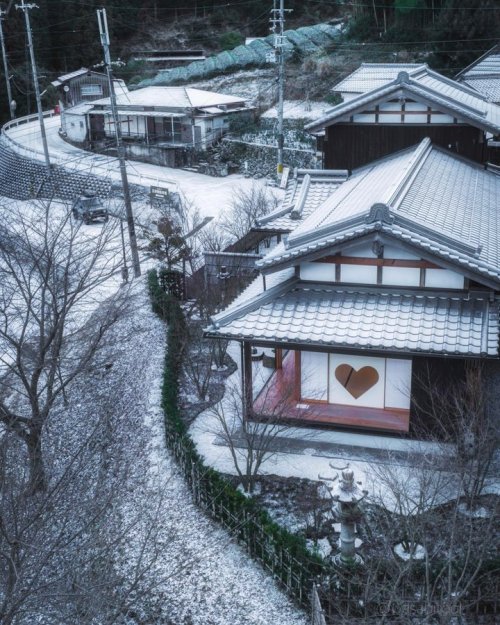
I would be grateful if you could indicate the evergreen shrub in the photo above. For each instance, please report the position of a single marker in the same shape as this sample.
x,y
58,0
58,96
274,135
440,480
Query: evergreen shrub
x,y
220,498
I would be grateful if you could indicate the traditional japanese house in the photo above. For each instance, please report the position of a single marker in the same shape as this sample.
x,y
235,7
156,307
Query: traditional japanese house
x,y
484,75
384,114
395,273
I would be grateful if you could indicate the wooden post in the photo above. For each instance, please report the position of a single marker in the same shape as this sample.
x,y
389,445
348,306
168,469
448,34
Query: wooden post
x,y
247,394
279,358
297,382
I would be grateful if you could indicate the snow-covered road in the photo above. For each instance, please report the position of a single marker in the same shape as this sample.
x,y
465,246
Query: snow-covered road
x,y
210,195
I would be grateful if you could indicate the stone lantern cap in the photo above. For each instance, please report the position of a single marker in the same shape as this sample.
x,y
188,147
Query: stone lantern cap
x,y
347,490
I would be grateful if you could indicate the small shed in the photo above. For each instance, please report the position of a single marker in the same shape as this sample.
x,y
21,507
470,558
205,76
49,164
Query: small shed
x,y
84,85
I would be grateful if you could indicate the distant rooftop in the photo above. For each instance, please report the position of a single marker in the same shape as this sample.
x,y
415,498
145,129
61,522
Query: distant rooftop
x,y
484,74
305,191
373,75
174,97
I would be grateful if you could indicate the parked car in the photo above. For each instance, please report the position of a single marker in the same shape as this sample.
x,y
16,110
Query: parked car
x,y
89,208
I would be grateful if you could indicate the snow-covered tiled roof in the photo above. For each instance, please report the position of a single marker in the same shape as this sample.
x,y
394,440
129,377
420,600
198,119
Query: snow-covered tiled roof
x,y
424,84
173,97
370,76
488,63
320,184
484,75
427,197
386,319
487,86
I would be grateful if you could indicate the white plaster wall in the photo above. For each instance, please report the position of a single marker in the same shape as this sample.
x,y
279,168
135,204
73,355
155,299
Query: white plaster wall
x,y
391,113
441,119
401,276
392,251
397,383
443,278
363,250
364,118
358,274
416,118
75,127
314,375
321,272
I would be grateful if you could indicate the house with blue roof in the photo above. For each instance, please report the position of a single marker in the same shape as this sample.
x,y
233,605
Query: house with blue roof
x,y
393,273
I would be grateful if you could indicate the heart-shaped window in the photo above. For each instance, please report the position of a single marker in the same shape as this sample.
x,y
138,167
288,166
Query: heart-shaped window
x,y
356,382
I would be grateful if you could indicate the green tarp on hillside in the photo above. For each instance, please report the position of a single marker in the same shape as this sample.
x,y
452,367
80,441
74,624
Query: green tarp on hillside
x,y
304,41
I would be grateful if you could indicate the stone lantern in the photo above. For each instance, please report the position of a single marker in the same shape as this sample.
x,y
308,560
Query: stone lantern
x,y
348,494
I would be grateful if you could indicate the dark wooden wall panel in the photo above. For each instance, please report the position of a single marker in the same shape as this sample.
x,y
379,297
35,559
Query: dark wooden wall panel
x,y
349,146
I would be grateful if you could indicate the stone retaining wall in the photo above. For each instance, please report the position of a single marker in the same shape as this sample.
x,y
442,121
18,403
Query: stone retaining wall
x,y
23,178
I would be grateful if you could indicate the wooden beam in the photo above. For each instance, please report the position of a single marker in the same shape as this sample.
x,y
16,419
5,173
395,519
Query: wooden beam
x,y
377,262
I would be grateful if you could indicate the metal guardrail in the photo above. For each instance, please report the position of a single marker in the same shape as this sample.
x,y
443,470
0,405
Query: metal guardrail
x,y
96,167
19,121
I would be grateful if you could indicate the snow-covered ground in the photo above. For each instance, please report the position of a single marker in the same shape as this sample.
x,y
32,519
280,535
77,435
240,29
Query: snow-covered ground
x,y
211,196
293,109
202,576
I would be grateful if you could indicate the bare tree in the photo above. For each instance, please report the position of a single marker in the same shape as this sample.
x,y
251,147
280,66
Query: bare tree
x,y
213,238
250,440
52,275
464,418
197,361
79,551
248,206
415,512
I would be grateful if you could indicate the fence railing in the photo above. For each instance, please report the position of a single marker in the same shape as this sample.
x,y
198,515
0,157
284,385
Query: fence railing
x,y
97,163
246,526
317,614
400,606
20,148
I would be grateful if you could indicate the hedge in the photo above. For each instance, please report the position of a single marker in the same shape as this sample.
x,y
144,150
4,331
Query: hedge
x,y
286,554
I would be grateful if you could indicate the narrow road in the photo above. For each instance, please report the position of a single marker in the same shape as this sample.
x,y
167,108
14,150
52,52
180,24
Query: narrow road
x,y
211,196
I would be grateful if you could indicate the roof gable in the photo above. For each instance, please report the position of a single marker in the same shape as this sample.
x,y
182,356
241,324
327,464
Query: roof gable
x,y
430,88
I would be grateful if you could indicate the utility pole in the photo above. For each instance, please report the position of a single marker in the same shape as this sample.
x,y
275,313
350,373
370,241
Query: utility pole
x,y
103,31
278,27
25,9
6,67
